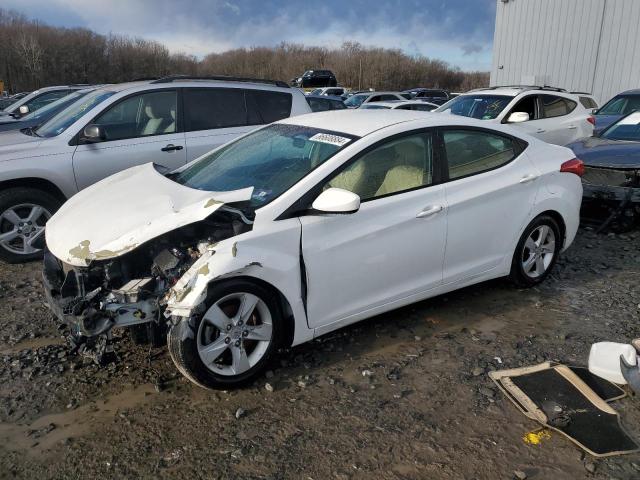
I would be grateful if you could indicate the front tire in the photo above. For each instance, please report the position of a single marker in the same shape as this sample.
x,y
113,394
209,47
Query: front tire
x,y
23,214
233,342
536,252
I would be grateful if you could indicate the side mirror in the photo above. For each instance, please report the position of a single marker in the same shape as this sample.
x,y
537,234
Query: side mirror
x,y
518,117
337,200
595,111
93,134
23,110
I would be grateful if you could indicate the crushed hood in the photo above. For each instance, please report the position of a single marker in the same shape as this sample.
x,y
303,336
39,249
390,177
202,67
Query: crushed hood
x,y
115,215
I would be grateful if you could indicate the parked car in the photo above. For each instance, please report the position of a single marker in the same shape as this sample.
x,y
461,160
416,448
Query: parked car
x,y
40,116
431,95
5,102
551,114
39,98
401,105
612,171
305,226
323,103
359,99
331,91
316,78
169,121
616,108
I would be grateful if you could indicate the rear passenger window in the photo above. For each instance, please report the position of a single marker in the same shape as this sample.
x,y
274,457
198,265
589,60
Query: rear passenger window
x,y
553,106
588,102
267,107
470,152
210,108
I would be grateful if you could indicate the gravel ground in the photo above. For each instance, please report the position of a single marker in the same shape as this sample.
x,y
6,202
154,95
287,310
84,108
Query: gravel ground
x,y
401,396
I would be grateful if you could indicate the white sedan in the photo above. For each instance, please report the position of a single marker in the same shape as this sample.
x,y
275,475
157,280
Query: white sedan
x,y
305,226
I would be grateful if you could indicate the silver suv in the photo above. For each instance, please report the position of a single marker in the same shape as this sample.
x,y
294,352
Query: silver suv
x,y
169,121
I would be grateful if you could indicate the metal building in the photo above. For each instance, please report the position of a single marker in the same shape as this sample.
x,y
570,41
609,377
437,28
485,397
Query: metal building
x,y
581,45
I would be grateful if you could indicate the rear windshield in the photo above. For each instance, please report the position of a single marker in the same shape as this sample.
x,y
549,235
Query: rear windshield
x,y
627,128
356,100
483,107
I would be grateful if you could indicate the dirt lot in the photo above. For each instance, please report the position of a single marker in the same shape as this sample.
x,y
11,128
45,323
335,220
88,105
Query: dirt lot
x,y
401,396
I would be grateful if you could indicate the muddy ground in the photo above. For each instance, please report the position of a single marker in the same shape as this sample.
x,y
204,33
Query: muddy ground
x,y
401,396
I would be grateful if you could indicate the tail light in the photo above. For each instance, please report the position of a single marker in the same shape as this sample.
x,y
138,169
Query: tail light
x,y
575,166
592,120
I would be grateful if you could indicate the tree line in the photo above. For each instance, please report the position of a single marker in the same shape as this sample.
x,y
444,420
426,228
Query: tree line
x,y
33,55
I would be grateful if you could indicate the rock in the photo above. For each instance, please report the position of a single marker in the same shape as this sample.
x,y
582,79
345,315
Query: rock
x,y
590,467
367,373
268,387
487,392
302,384
476,372
519,474
240,412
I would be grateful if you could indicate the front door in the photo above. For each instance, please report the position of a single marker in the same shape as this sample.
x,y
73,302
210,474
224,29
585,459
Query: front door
x,y
138,129
391,248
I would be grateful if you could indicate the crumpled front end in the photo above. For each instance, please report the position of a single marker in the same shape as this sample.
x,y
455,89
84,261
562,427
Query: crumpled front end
x,y
616,184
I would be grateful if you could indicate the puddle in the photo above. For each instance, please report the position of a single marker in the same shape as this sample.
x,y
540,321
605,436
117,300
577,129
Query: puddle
x,y
39,436
31,344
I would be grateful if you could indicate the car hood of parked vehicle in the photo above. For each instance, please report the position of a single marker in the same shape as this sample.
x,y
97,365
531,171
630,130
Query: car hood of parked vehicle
x,y
121,212
8,119
15,143
603,152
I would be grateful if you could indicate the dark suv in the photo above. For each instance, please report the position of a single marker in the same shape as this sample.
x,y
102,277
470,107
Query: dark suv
x,y
315,79
431,95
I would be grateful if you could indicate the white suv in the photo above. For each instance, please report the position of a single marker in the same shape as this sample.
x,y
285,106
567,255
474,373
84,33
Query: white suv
x,y
551,114
169,121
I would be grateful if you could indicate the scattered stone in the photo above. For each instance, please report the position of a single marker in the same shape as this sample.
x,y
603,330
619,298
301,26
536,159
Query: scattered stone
x,y
590,467
519,474
367,373
240,412
476,372
268,387
487,392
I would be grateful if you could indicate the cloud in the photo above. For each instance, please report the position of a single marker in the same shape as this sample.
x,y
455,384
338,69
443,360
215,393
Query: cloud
x,y
457,31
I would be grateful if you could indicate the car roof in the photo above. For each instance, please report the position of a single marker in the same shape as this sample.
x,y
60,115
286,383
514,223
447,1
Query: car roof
x,y
360,123
187,82
635,91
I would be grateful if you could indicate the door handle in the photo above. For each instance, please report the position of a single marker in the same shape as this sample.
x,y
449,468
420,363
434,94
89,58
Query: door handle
x,y
540,130
528,178
428,211
572,127
171,147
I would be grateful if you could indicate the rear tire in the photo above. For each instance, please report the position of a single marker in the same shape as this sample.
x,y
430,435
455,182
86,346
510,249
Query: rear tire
x,y
236,344
23,213
536,252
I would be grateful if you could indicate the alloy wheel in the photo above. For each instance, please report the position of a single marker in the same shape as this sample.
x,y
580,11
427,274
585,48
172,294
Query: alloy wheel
x,y
20,226
234,334
538,252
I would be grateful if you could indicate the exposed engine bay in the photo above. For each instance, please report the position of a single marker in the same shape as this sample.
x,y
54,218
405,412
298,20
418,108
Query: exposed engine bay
x,y
132,289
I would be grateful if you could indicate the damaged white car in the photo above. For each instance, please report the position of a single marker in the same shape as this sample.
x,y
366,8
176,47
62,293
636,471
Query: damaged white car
x,y
305,226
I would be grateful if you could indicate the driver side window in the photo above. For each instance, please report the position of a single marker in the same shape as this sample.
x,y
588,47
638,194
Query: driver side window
x,y
393,167
140,116
527,105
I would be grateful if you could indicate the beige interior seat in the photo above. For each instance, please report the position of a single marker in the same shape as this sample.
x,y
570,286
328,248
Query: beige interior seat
x,y
409,171
365,176
171,128
153,123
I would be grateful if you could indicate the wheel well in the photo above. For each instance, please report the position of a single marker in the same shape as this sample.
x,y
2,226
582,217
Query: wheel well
x,y
287,312
33,182
559,220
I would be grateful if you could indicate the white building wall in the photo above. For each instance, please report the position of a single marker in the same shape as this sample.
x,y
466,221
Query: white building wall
x,y
581,45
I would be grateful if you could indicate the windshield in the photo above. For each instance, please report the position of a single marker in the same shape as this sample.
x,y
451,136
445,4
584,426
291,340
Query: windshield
x,y
483,107
621,105
627,128
271,160
356,100
55,106
67,117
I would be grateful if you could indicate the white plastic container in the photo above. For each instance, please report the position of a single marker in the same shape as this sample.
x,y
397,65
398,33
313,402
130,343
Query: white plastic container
x,y
604,360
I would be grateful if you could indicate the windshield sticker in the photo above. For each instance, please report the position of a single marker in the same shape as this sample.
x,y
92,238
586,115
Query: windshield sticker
x,y
330,139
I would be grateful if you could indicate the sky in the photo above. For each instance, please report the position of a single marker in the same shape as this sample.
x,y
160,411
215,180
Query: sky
x,y
459,32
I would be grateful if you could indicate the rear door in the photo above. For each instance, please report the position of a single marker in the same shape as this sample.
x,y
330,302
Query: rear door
x,y
491,189
215,116
140,128
561,122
